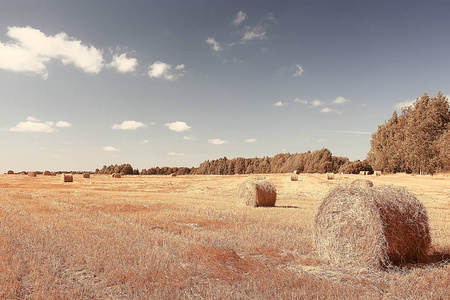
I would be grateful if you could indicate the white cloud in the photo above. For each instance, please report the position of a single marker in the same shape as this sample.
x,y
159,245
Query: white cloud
x,y
240,17
251,140
217,141
63,124
215,45
143,142
163,70
189,138
128,125
340,100
404,104
31,50
29,126
123,64
175,154
329,110
32,124
316,103
257,32
300,101
279,104
298,70
178,126
110,149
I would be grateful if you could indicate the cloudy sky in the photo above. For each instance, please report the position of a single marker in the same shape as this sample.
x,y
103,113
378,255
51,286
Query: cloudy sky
x,y
172,83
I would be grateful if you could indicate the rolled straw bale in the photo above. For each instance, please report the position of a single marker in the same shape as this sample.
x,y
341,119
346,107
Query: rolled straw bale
x,y
260,177
32,174
53,174
377,173
122,173
86,175
47,173
117,175
330,176
10,172
297,172
362,183
371,227
294,177
257,193
113,175
66,178
174,175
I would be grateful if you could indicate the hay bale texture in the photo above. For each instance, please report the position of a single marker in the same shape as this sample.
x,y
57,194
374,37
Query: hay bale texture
x,y
257,193
377,173
32,174
330,176
363,183
116,175
294,177
10,172
66,178
371,227
47,173
86,175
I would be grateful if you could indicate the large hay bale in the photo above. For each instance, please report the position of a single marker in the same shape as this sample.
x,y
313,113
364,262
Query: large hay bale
x,y
86,175
66,178
330,176
371,227
364,183
32,174
10,172
257,193
294,177
47,173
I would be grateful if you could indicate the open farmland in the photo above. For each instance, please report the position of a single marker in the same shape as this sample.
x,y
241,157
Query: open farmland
x,y
144,237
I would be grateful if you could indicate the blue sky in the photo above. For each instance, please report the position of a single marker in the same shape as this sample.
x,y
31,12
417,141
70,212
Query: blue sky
x,y
172,83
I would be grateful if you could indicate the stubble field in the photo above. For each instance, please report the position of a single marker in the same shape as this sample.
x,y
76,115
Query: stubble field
x,y
184,237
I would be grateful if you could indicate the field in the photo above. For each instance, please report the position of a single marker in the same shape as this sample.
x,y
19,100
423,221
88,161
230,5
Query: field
x,y
161,237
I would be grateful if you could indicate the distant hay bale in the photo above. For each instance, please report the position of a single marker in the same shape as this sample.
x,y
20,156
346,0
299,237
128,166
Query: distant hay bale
x,y
257,193
260,177
122,173
47,173
10,172
294,177
53,174
371,227
363,172
86,175
116,175
174,175
377,173
330,176
296,172
364,183
66,178
32,174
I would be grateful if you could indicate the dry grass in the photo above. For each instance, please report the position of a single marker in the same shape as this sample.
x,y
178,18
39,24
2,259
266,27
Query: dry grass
x,y
150,237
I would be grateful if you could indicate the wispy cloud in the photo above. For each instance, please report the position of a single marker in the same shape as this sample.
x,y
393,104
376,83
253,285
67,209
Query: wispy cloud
x,y
178,126
31,50
340,100
298,100
217,142
215,45
251,140
143,142
175,154
279,104
128,125
404,104
165,71
240,17
259,31
123,64
110,149
32,124
298,70
316,103
189,138
329,110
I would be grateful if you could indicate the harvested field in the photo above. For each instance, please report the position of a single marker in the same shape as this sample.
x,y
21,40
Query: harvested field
x,y
152,237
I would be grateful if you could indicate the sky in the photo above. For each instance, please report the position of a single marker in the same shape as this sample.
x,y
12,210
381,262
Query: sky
x,y
173,83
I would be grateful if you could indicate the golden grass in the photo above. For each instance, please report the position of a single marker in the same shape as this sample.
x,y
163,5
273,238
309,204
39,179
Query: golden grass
x,y
149,237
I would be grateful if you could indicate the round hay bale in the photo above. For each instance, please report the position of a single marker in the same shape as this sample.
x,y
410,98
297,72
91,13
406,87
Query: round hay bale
x,y
364,183
377,173
66,178
47,173
257,193
86,175
53,174
122,173
371,227
10,172
294,177
32,174
296,172
260,177
174,175
117,175
330,176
